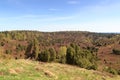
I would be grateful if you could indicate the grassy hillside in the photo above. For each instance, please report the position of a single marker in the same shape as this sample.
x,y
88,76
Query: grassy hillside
x,y
14,44
32,70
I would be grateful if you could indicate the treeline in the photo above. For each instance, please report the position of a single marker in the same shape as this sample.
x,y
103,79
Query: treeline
x,y
71,54
81,57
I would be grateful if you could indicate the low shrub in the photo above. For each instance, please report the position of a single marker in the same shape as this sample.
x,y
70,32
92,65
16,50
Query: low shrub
x,y
116,51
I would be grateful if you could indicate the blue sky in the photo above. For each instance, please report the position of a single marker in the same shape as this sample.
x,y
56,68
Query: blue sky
x,y
60,15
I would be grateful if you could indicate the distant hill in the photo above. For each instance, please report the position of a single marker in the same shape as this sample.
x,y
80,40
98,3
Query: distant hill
x,y
14,44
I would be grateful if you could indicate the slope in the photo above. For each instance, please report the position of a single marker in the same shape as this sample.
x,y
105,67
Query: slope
x,y
32,70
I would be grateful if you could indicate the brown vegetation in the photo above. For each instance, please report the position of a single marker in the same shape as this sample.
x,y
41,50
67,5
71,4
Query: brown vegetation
x,y
14,44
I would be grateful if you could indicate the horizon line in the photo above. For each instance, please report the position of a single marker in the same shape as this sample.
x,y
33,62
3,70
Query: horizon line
x,y
61,31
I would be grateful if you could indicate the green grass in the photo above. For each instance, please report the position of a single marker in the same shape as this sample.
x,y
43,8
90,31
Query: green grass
x,y
33,70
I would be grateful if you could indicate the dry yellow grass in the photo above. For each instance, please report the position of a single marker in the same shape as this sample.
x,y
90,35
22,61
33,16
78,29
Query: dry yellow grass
x,y
34,70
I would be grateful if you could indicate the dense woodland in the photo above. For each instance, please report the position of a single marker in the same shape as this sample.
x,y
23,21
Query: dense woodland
x,y
98,51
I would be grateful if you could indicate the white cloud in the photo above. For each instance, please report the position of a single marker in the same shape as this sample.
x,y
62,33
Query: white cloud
x,y
38,18
57,18
93,27
72,2
16,2
32,16
53,9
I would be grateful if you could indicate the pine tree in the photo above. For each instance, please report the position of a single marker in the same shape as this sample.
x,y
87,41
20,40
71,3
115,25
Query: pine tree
x,y
52,54
32,50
